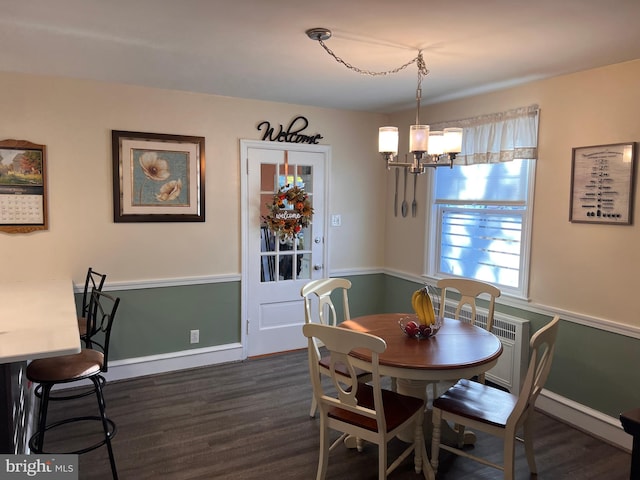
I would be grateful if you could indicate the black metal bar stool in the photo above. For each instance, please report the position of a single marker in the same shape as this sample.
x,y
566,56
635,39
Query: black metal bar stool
x,y
93,280
631,424
89,364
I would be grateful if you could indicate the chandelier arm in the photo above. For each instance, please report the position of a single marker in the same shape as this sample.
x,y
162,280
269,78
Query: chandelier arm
x,y
421,66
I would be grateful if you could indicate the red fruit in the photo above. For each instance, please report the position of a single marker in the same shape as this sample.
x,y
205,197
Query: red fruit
x,y
425,330
411,328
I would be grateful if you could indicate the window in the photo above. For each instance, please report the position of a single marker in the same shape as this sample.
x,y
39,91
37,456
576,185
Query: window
x,y
480,223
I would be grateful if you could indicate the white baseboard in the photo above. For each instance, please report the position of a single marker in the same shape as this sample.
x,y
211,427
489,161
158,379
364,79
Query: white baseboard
x,y
584,418
154,364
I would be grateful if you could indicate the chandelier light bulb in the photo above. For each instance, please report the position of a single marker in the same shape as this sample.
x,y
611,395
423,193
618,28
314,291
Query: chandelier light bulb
x,y
419,138
452,140
388,140
436,143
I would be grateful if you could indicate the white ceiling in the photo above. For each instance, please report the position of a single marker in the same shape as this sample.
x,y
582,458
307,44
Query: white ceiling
x,y
258,48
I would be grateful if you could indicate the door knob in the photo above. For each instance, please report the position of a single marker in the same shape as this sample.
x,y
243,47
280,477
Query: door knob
x,y
317,240
317,267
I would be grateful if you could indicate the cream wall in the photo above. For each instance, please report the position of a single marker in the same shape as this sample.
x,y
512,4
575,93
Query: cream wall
x,y
590,270
74,120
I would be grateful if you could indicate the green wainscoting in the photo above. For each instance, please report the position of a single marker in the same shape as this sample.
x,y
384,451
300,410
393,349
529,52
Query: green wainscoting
x,y
156,321
592,367
366,295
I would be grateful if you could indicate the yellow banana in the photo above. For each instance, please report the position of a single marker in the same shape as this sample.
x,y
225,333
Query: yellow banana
x,y
421,303
424,317
414,301
428,308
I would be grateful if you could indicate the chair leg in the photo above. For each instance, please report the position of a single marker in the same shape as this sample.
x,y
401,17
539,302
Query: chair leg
x,y
418,444
527,433
382,460
427,471
36,443
105,425
323,460
509,456
314,407
436,419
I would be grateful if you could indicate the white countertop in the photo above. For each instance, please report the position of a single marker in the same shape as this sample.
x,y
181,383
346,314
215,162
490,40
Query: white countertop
x,y
38,319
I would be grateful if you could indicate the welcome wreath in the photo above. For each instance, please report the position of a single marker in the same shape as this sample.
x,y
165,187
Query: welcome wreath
x,y
289,212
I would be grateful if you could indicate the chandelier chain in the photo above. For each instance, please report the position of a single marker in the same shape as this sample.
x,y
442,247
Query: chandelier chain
x,y
422,69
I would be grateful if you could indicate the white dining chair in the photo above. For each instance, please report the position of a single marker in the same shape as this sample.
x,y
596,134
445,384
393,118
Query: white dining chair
x,y
469,291
496,412
357,409
319,308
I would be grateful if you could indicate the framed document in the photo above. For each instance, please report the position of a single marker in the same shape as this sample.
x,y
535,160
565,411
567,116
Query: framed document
x,y
602,181
23,187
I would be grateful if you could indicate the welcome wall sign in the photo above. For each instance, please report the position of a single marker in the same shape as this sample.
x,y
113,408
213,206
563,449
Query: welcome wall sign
x,y
292,133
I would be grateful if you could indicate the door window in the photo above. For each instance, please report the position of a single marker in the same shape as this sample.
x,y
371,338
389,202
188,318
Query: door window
x,y
284,259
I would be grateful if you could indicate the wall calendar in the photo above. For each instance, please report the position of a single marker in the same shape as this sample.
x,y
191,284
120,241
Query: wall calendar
x,y
23,187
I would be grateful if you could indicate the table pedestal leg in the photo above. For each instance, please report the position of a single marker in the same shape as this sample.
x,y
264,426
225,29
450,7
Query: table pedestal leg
x,y
419,389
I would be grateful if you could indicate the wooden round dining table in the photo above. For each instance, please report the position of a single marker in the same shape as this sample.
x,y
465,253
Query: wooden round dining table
x,y
458,350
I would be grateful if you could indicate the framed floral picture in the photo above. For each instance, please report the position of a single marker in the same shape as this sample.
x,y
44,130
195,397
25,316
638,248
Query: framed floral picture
x,y
157,177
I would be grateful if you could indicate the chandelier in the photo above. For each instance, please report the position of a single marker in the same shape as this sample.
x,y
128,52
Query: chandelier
x,y
429,148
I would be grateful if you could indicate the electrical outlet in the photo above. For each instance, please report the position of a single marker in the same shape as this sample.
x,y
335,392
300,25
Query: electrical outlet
x,y
195,336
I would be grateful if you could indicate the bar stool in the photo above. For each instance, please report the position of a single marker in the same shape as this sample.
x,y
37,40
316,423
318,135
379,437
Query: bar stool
x,y
89,364
631,424
92,280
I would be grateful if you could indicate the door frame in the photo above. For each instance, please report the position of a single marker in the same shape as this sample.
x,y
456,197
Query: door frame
x,y
245,145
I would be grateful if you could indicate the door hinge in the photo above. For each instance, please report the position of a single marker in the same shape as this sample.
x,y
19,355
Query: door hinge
x,y
247,332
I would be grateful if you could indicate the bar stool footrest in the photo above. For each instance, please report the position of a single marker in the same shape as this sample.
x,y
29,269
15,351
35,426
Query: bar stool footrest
x,y
112,433
89,390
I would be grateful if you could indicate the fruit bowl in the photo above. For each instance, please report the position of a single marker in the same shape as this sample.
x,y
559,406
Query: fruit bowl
x,y
412,328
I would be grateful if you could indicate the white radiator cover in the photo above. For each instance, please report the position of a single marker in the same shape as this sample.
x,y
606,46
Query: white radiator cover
x,y
513,332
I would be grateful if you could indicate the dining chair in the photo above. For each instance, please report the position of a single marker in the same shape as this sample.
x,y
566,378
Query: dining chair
x,y
90,364
365,411
469,292
496,412
93,280
319,308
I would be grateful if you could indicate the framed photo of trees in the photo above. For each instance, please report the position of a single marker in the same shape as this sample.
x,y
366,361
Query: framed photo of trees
x,y
23,187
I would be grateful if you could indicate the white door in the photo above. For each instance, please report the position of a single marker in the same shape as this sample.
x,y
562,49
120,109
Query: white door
x,y
274,270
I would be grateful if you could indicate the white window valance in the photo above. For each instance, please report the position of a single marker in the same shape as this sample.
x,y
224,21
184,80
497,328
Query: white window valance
x,y
498,137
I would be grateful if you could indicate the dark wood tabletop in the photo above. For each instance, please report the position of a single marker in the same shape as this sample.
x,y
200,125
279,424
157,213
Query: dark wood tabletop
x,y
458,346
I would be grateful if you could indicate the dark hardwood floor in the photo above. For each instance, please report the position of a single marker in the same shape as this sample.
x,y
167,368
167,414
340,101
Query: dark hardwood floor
x,y
250,420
